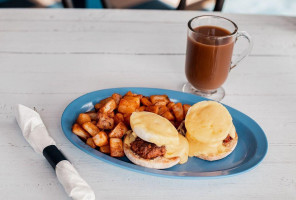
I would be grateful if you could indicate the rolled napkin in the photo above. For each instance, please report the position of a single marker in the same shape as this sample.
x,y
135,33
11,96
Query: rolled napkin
x,y
37,136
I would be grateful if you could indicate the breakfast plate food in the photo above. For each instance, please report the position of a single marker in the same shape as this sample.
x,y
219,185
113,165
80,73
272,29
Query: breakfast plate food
x,y
153,131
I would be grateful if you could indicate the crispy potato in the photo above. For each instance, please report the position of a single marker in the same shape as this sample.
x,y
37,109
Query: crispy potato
x,y
105,122
170,105
162,109
140,96
186,108
82,118
91,128
98,106
118,131
129,93
109,106
93,116
168,115
105,149
136,99
94,122
128,105
111,114
145,101
160,103
116,147
116,97
157,98
102,103
153,109
118,118
100,139
127,119
78,130
90,142
142,108
178,112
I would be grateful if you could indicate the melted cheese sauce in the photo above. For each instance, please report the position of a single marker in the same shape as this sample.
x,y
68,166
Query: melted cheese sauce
x,y
129,138
181,150
155,129
208,122
196,147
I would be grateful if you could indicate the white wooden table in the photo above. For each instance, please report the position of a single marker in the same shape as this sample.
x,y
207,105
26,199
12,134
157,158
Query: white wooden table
x,y
50,57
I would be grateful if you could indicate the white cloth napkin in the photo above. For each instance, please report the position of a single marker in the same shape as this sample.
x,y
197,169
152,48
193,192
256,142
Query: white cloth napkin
x,y
37,136
73,184
33,128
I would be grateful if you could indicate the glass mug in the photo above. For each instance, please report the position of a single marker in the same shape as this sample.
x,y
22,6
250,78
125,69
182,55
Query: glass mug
x,y
210,42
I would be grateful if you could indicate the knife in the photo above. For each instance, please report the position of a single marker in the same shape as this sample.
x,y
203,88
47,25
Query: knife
x,y
36,134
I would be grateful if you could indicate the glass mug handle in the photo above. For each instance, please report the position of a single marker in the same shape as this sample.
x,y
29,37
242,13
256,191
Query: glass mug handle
x,y
246,52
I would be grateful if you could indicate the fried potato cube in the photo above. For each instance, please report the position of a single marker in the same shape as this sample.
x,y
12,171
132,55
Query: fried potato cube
x,y
91,128
116,97
102,103
119,131
90,142
93,116
157,98
153,109
140,96
105,122
142,108
79,131
162,109
82,118
109,106
160,103
145,101
129,93
127,119
101,139
98,106
178,112
170,105
94,122
186,108
105,149
118,118
111,114
128,105
116,147
136,99
168,115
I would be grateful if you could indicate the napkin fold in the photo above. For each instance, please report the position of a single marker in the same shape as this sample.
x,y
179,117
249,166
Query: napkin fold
x,y
33,128
37,136
73,184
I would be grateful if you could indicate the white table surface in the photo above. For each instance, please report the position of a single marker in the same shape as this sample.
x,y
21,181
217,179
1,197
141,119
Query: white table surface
x,y
50,57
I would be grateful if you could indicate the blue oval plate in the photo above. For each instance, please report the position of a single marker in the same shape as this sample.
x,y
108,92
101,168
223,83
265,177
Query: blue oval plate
x,y
249,152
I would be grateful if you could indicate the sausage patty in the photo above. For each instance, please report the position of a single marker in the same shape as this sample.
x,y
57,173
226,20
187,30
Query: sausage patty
x,y
227,139
147,150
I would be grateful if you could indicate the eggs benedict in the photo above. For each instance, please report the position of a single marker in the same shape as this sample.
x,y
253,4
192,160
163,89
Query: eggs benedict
x,y
154,142
210,132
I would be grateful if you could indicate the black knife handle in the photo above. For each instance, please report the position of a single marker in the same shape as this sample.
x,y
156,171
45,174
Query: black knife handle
x,y
53,155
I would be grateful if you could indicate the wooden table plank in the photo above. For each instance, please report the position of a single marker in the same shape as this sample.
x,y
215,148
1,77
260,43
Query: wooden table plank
x,y
126,32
